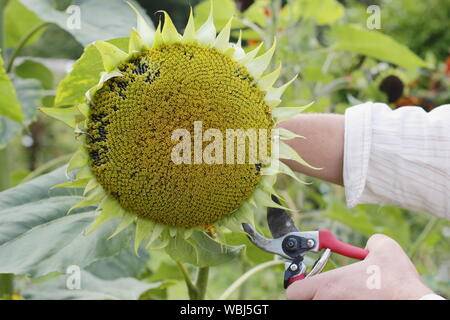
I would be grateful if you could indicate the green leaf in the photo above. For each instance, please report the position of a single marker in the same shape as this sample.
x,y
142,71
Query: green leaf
x,y
201,250
99,19
92,288
324,12
19,21
37,236
84,75
252,252
29,94
9,104
222,13
374,44
356,219
35,70
54,43
8,130
125,264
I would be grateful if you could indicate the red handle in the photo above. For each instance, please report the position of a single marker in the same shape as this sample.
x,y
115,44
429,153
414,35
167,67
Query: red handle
x,y
328,240
296,278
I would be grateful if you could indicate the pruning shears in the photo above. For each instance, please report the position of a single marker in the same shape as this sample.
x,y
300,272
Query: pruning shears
x,y
292,244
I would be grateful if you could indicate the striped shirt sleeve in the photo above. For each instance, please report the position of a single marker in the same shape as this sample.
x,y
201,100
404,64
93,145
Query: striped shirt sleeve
x,y
399,157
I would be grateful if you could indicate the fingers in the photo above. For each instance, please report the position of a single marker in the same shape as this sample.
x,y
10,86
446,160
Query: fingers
x,y
307,288
304,289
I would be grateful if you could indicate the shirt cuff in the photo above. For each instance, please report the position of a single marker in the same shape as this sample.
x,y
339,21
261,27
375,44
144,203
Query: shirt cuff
x,y
432,296
358,137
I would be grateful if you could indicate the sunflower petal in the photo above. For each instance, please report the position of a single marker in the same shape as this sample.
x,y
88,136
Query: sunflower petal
x,y
285,134
111,55
284,113
136,44
156,232
223,39
84,173
84,109
161,242
77,184
268,184
265,199
267,81
158,37
189,31
260,64
110,209
188,233
273,96
144,229
79,159
239,53
69,116
104,76
169,32
250,56
206,35
90,186
247,213
286,152
94,198
146,33
127,219
285,169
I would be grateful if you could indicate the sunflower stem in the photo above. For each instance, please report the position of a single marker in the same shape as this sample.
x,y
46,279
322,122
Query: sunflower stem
x,y
202,282
241,280
6,279
192,289
46,167
23,43
3,4
423,236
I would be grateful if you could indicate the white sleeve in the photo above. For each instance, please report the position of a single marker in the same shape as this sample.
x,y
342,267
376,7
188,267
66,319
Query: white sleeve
x,y
399,157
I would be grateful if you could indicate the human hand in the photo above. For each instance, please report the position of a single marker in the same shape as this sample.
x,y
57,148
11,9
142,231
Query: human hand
x,y
386,273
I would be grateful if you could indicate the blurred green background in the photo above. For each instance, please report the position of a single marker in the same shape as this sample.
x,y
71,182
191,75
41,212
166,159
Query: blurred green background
x,y
340,63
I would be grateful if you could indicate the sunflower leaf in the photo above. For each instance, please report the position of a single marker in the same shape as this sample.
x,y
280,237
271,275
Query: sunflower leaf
x,y
85,74
201,250
374,44
92,288
83,21
9,104
37,236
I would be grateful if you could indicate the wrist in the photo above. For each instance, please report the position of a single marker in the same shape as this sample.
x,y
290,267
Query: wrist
x,y
415,291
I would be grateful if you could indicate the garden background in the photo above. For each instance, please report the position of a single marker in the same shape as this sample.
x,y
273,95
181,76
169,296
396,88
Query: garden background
x,y
341,62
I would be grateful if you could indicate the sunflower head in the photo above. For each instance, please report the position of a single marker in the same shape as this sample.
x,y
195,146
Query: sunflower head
x,y
166,135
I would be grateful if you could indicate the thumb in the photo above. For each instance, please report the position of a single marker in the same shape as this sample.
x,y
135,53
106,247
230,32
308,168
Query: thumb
x,y
380,242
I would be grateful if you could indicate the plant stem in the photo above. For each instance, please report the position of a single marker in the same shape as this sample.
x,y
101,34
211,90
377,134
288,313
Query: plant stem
x,y
192,289
6,279
3,4
23,42
46,167
4,166
202,282
246,276
425,232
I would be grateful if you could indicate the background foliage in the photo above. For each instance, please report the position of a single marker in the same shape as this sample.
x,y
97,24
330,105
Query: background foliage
x,y
340,63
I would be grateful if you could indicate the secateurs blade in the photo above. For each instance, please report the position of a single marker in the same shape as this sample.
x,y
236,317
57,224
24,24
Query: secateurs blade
x,y
292,244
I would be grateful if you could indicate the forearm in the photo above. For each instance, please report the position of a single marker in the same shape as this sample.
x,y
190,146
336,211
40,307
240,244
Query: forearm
x,y
323,146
